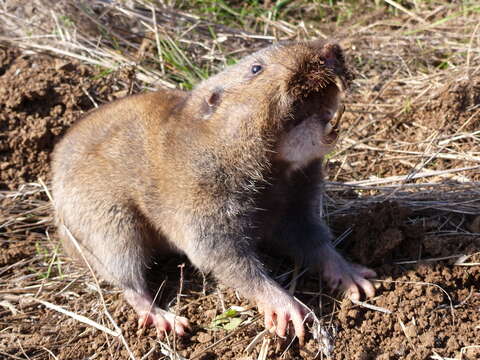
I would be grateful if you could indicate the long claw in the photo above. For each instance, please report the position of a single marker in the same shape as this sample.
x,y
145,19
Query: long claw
x,y
365,285
282,323
298,324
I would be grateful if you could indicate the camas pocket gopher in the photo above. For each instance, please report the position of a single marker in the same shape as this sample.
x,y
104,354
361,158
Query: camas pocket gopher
x,y
212,173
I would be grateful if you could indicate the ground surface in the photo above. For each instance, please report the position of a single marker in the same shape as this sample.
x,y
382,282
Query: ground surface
x,y
421,120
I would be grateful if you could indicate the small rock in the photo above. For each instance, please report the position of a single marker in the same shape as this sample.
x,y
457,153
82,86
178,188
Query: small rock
x,y
204,337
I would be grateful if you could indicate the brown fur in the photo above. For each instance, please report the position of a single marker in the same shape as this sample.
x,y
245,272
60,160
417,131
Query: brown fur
x,y
188,172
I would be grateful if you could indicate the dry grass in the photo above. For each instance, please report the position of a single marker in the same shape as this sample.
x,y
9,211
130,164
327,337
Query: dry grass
x,y
406,54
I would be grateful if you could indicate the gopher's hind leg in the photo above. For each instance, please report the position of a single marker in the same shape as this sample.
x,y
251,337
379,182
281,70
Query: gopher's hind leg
x,y
118,242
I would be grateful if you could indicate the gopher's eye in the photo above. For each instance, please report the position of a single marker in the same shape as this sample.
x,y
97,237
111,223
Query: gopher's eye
x,y
256,69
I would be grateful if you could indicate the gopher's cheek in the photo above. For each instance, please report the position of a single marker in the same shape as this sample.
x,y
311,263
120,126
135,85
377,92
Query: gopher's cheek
x,y
304,143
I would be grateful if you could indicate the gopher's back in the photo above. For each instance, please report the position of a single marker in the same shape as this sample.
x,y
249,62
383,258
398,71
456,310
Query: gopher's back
x,y
100,166
110,133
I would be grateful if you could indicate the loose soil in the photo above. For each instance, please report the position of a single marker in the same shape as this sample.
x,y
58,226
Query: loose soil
x,y
40,97
421,308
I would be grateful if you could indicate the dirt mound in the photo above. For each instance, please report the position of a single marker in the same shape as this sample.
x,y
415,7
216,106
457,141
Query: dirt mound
x,y
427,309
40,97
380,234
452,108
423,130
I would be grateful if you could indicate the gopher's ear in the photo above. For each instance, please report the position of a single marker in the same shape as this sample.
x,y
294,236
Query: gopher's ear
x,y
212,101
214,98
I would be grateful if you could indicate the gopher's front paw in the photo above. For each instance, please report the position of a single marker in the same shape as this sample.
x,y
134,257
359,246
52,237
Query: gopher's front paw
x,y
279,310
164,322
150,314
347,277
350,278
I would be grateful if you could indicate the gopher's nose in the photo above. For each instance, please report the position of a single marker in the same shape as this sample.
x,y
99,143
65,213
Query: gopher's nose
x,y
313,76
333,61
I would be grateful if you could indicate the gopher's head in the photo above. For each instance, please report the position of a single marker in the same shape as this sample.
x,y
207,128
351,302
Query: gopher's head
x,y
288,92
